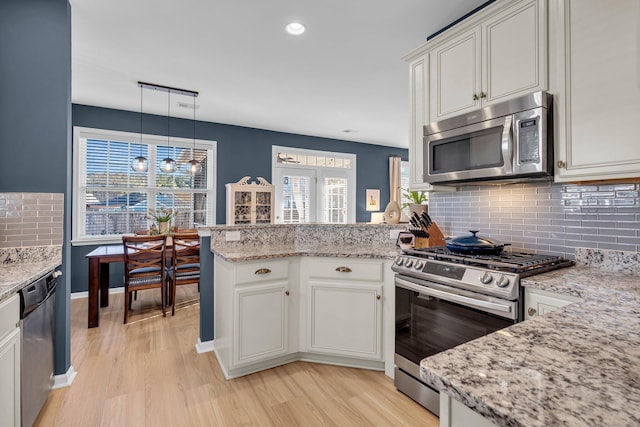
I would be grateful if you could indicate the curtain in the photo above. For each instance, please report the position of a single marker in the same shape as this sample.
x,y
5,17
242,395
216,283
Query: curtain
x,y
394,179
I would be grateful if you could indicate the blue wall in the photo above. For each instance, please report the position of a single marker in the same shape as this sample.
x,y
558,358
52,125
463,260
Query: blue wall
x,y
35,119
241,151
247,151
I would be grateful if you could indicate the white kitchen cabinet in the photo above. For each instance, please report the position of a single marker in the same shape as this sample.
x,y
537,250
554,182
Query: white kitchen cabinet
x,y
250,203
10,361
498,55
262,322
419,95
595,52
253,301
538,302
344,307
318,309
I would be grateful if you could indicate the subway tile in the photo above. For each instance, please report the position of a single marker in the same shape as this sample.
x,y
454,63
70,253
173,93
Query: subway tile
x,y
617,187
617,247
35,242
615,232
627,194
629,240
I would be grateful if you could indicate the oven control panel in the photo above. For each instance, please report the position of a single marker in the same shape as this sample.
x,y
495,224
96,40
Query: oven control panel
x,y
491,282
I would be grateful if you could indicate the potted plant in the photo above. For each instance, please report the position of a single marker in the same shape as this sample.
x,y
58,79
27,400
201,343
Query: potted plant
x,y
163,217
417,201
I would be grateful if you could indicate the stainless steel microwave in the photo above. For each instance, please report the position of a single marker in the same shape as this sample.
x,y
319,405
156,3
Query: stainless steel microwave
x,y
509,141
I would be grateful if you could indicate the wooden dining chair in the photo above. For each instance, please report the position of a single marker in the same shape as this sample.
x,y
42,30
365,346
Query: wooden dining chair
x,y
185,263
144,267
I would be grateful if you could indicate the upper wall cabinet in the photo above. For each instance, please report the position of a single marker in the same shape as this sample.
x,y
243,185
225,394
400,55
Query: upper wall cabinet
x,y
502,56
496,54
595,79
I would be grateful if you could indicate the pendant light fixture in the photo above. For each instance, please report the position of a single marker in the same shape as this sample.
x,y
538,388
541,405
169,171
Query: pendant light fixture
x,y
168,165
140,163
193,165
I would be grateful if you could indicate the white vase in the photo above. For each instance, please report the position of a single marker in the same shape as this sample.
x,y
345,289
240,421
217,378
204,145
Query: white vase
x,y
163,227
392,213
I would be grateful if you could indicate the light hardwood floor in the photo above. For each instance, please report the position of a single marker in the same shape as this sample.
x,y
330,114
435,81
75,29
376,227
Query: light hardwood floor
x,y
147,373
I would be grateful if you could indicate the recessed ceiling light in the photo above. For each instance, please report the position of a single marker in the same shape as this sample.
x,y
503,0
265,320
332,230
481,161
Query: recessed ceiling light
x,y
349,131
295,28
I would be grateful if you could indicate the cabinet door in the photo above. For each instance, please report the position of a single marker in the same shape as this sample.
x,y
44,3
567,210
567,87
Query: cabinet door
x,y
10,378
598,89
538,303
263,210
345,319
261,322
242,206
454,82
514,52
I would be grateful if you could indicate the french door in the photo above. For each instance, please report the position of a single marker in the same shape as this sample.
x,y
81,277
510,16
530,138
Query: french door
x,y
311,195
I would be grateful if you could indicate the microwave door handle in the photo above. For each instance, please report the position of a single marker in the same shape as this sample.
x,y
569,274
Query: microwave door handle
x,y
507,146
460,299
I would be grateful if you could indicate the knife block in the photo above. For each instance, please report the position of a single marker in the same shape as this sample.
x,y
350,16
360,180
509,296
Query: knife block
x,y
436,238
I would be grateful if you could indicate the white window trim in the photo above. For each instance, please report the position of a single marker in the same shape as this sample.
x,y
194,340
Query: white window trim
x,y
131,137
349,172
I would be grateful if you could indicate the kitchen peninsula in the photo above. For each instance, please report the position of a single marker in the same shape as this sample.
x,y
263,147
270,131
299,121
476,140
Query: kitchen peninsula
x,y
573,367
313,292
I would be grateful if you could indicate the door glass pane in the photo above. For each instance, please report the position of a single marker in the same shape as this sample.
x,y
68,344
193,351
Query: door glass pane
x,y
295,197
335,201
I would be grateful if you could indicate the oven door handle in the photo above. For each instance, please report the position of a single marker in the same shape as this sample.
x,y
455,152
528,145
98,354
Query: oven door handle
x,y
469,302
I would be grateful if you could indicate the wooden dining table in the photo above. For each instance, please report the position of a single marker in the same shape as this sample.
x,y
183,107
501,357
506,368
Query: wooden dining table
x,y
99,260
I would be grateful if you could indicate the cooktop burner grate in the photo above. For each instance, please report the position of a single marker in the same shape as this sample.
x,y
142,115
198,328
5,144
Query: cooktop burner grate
x,y
526,264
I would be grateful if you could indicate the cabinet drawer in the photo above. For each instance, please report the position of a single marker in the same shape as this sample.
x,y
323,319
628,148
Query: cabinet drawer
x,y
262,271
346,269
9,314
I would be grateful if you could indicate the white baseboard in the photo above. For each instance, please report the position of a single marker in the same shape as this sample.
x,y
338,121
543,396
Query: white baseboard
x,y
85,294
204,347
64,380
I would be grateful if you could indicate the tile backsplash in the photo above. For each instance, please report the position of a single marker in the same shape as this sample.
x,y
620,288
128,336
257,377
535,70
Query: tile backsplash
x,y
31,219
543,216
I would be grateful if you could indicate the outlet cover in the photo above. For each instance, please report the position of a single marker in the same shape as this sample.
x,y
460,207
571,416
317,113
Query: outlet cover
x,y
393,234
232,236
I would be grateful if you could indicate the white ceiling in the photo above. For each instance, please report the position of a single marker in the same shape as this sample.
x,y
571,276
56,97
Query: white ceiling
x,y
345,72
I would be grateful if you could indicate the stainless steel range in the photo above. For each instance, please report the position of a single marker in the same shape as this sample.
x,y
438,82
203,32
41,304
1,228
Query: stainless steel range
x,y
444,299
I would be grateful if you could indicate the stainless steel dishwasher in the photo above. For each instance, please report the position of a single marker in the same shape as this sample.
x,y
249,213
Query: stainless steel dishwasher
x,y
37,314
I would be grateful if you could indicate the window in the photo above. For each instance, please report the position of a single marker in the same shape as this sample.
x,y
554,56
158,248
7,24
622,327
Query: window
x,y
110,199
314,186
404,185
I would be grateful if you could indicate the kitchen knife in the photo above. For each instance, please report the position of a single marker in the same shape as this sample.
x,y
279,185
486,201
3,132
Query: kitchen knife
x,y
426,219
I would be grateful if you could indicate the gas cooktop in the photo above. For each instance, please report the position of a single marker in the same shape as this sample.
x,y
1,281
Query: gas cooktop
x,y
525,264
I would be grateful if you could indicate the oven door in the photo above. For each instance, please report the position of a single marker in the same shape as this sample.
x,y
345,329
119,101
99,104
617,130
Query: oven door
x,y
431,318
478,151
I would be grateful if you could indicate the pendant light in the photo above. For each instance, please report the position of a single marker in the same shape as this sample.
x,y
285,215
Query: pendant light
x,y
168,165
140,163
193,165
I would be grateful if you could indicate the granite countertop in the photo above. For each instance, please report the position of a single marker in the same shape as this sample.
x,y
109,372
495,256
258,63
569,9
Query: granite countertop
x,y
254,252
577,366
14,277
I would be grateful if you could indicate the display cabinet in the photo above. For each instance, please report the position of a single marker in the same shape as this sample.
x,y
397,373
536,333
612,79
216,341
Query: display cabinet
x,y
250,203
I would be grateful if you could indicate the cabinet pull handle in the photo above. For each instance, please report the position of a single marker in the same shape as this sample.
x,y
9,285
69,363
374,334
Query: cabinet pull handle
x,y
561,164
343,269
262,271
483,95
286,293
531,312
378,297
475,97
